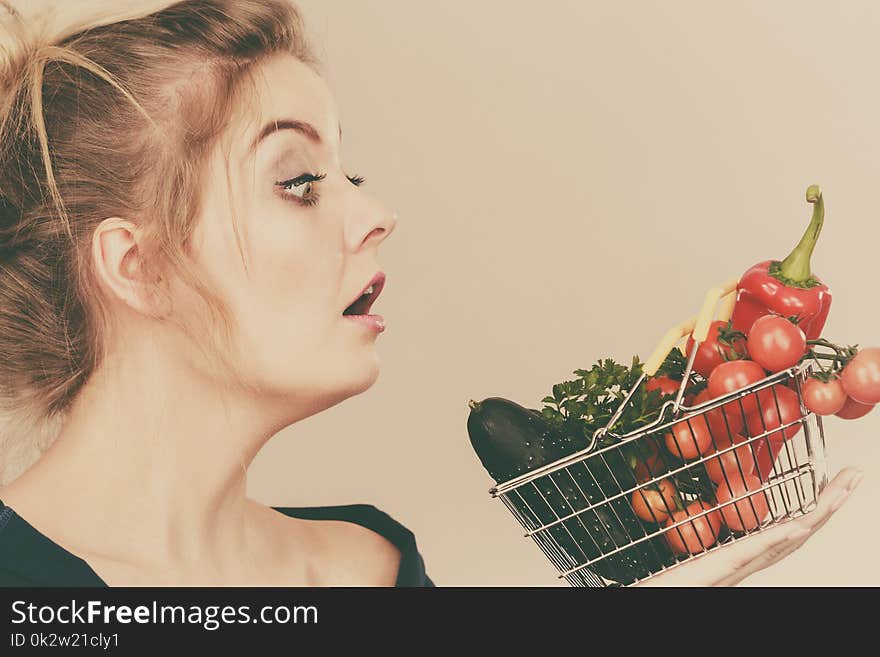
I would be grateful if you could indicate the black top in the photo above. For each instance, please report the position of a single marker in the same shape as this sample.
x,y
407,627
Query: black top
x,y
29,558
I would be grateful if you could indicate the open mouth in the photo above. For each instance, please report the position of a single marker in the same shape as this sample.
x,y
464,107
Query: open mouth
x,y
362,305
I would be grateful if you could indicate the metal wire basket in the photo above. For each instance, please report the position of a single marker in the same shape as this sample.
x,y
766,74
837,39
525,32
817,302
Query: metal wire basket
x,y
602,522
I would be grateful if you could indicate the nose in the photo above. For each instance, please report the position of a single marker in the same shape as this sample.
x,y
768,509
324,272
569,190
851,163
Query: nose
x,y
378,222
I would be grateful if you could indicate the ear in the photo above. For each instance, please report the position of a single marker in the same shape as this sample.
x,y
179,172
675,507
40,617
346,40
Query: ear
x,y
120,267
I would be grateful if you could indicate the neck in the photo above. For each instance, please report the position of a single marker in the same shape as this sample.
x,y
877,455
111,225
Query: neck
x,y
159,455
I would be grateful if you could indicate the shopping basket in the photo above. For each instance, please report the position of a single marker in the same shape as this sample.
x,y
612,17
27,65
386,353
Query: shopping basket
x,y
587,511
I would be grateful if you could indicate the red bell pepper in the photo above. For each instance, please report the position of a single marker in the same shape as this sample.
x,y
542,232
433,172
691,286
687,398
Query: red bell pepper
x,y
787,288
766,452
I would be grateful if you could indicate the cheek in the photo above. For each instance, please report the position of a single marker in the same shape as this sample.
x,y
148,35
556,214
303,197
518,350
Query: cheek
x,y
287,300
288,306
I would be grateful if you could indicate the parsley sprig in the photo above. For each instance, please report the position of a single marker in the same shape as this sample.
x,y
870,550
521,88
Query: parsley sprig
x,y
586,403
580,406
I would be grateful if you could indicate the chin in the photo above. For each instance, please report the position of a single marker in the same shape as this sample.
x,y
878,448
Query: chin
x,y
367,376
351,388
326,394
325,382
358,377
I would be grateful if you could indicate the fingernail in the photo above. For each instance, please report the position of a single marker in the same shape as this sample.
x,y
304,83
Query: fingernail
x,y
855,481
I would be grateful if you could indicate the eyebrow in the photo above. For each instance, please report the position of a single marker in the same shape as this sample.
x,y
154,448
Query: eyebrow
x,y
302,127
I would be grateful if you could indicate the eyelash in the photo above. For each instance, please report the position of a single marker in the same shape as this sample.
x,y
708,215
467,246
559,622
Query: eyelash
x,y
308,178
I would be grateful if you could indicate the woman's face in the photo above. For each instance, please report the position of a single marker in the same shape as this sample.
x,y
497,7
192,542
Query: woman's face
x,y
310,236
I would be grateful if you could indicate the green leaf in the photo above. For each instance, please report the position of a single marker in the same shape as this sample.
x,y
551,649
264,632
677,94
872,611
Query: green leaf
x,y
589,401
549,413
674,365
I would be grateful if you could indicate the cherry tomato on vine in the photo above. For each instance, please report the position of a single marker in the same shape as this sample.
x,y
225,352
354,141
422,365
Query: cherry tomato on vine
x,y
733,464
697,535
735,375
665,384
861,376
724,420
748,513
655,505
824,398
689,439
711,352
776,343
853,410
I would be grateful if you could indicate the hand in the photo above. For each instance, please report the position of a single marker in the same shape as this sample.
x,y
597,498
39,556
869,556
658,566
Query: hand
x,y
731,564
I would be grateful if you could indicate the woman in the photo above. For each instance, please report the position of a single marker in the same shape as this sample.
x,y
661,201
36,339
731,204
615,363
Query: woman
x,y
183,261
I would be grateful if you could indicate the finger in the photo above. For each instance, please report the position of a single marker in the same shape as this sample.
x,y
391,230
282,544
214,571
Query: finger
x,y
754,561
746,555
749,554
731,563
845,480
780,542
771,556
831,499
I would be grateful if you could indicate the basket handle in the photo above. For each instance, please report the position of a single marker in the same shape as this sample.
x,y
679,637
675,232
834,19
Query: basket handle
x,y
698,326
721,298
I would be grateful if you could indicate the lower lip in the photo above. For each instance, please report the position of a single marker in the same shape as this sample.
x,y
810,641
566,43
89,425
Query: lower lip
x,y
374,322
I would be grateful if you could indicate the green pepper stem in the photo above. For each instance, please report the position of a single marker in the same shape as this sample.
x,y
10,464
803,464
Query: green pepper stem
x,y
796,267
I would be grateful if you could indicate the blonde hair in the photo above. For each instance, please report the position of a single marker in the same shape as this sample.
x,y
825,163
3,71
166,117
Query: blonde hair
x,y
108,116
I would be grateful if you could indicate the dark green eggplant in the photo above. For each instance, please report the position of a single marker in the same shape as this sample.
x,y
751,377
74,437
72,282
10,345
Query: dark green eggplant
x,y
511,440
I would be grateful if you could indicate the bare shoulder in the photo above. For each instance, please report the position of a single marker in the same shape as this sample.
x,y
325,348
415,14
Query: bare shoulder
x,y
339,552
360,555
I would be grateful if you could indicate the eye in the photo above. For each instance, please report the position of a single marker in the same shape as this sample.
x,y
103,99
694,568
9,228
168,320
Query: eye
x,y
301,188
357,181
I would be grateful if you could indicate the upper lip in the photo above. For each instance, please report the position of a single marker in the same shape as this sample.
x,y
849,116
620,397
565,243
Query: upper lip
x,y
378,282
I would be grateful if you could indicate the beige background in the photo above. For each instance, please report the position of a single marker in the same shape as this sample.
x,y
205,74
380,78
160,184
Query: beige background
x,y
571,176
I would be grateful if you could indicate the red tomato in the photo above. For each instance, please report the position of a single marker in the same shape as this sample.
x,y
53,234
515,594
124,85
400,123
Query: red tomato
x,y
749,512
655,505
698,534
771,418
853,410
735,375
776,343
824,398
710,353
861,376
689,439
724,420
666,385
733,464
